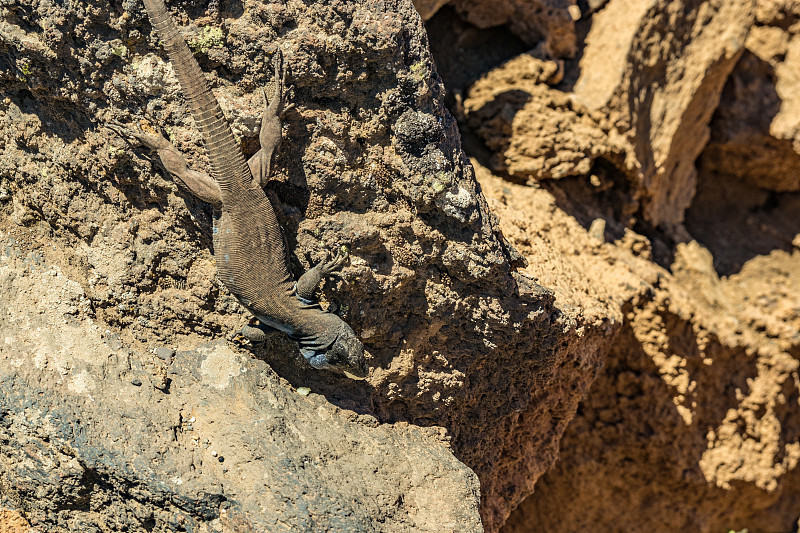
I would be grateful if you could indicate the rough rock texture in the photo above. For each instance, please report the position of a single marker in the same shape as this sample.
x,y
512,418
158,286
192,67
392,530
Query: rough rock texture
x,y
488,306
547,24
756,129
372,160
657,69
648,80
428,8
641,96
692,423
695,412
753,155
12,522
98,436
536,132
737,220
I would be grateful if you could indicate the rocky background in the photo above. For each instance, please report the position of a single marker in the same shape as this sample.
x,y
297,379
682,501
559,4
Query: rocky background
x,y
574,261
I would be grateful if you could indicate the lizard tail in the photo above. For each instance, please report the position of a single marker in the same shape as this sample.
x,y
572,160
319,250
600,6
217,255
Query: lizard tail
x,y
228,166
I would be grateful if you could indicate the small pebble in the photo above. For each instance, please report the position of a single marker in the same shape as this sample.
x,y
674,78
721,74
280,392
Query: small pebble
x,y
303,391
220,459
165,353
598,229
137,382
213,453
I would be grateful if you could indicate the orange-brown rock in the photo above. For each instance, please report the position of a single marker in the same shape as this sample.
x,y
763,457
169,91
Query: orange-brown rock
x,y
536,132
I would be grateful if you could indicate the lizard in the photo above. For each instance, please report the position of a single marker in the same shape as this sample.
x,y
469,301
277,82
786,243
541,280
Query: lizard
x,y
249,248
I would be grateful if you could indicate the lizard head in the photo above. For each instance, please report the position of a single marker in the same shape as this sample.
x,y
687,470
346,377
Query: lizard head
x,y
347,353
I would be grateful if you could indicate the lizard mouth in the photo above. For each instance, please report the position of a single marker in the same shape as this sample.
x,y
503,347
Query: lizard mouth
x,y
347,355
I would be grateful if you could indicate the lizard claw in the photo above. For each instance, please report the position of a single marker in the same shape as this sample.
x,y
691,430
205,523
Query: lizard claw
x,y
123,131
118,128
330,266
154,142
277,106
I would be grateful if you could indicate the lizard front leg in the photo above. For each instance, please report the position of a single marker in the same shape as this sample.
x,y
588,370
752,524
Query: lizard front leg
x,y
308,282
270,135
199,183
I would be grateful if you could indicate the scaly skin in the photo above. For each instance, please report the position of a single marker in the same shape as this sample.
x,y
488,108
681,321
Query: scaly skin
x,y
248,244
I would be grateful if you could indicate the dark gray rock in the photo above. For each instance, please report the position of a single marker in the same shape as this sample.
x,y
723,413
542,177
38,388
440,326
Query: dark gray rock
x,y
230,446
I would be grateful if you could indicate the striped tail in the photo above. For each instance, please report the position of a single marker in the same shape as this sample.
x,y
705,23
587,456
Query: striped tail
x,y
228,166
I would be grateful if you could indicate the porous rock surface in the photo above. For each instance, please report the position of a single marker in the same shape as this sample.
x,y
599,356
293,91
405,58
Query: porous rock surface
x,y
548,288
650,75
536,132
546,24
13,522
458,341
97,436
756,129
119,452
692,423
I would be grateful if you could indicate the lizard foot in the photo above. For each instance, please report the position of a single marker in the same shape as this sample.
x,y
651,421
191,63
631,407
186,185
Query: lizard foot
x,y
270,135
308,282
154,142
332,266
256,333
278,106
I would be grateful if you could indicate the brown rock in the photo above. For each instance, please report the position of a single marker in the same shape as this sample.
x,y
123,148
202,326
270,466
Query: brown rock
x,y
548,21
704,436
428,8
371,160
224,439
13,522
489,308
536,132
657,69
692,423
755,134
629,105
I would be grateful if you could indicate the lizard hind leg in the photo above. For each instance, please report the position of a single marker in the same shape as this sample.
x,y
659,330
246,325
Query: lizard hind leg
x,y
270,134
200,184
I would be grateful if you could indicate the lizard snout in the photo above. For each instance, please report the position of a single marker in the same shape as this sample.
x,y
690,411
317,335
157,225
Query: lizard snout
x,y
347,354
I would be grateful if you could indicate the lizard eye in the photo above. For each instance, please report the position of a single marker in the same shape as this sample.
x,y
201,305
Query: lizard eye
x,y
347,353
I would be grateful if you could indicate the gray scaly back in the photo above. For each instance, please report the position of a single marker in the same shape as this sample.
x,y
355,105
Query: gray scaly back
x,y
248,243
